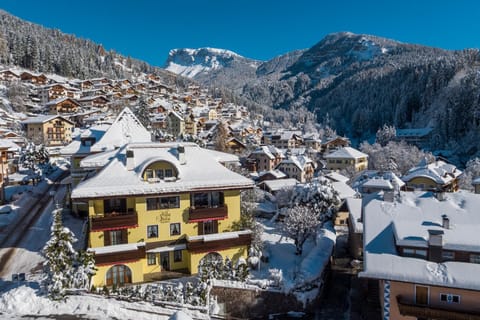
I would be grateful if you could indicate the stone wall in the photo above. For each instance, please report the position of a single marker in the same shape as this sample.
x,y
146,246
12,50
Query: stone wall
x,y
254,303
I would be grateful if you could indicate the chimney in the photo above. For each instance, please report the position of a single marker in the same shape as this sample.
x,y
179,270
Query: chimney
x,y
435,244
440,195
181,154
388,195
130,160
445,222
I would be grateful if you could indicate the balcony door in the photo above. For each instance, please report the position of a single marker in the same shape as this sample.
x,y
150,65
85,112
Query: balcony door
x,y
421,295
118,205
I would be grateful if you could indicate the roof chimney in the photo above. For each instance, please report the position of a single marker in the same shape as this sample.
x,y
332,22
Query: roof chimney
x,y
181,154
130,160
435,244
445,222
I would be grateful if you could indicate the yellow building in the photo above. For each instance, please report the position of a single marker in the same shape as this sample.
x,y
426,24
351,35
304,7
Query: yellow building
x,y
437,176
347,157
51,130
158,208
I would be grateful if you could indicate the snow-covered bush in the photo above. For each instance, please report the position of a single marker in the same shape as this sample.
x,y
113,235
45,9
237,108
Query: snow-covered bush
x,y
276,277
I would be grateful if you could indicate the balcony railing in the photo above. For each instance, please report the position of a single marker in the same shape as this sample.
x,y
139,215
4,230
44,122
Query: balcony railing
x,y
114,220
210,213
120,257
409,308
219,241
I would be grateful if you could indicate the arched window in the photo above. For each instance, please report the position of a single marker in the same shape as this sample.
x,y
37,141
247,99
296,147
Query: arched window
x,y
119,275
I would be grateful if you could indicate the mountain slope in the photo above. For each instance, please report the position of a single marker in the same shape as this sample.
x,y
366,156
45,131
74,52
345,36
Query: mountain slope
x,y
37,48
357,83
213,66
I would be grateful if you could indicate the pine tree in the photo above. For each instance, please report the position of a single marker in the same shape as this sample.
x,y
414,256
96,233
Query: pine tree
x,y
85,270
227,272
60,258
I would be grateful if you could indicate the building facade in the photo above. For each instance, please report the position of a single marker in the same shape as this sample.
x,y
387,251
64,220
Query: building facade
x,y
165,215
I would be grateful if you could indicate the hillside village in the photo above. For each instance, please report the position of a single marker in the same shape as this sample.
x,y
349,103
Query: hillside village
x,y
167,178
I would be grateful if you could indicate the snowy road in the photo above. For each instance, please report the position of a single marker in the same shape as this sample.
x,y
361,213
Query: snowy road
x,y
25,238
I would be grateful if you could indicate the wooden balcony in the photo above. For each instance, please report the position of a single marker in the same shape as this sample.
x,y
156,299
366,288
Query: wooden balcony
x,y
204,214
204,244
114,220
409,308
120,257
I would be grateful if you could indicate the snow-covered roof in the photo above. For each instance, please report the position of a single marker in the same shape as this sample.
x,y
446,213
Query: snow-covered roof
x,y
335,176
275,173
344,190
276,185
200,170
355,213
346,153
439,171
76,146
300,161
9,144
125,129
384,180
270,151
59,100
43,119
406,221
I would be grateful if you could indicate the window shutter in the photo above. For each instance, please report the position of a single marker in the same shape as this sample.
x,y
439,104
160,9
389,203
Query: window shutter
x,y
125,236
200,228
215,226
106,238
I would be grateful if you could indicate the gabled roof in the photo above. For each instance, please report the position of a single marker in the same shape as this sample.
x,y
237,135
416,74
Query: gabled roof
x,y
45,118
346,153
60,100
125,129
300,161
406,222
438,171
200,171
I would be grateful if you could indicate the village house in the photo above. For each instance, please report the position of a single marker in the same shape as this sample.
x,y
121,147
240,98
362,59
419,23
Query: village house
x,y
93,101
347,157
416,136
175,124
153,213
37,79
335,143
283,139
424,253
9,75
437,176
57,90
62,105
264,158
50,130
298,167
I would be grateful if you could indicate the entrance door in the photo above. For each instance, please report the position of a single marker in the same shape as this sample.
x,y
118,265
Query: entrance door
x,y
165,261
421,295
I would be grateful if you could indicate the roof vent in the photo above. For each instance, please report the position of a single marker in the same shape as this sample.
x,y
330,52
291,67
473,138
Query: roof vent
x,y
181,154
130,160
445,222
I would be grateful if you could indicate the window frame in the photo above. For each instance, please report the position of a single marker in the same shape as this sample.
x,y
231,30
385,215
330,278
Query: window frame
x,y
444,298
172,228
177,255
151,228
151,258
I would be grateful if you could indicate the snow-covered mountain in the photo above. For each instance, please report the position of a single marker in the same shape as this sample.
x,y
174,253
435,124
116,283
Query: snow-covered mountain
x,y
358,82
210,65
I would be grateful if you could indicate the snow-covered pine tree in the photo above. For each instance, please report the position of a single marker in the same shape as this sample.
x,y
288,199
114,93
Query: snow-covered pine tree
x,y
85,270
60,257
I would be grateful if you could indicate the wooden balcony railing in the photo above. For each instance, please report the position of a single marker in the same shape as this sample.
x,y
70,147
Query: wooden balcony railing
x,y
211,245
120,257
114,220
214,213
409,308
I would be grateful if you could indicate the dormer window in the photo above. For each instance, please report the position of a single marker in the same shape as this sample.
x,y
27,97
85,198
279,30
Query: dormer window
x,y
160,171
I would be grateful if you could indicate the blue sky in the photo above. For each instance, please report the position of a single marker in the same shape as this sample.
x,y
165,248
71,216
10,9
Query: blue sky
x,y
259,29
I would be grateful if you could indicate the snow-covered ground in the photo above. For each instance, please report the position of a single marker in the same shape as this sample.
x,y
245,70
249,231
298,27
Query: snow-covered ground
x,y
296,274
